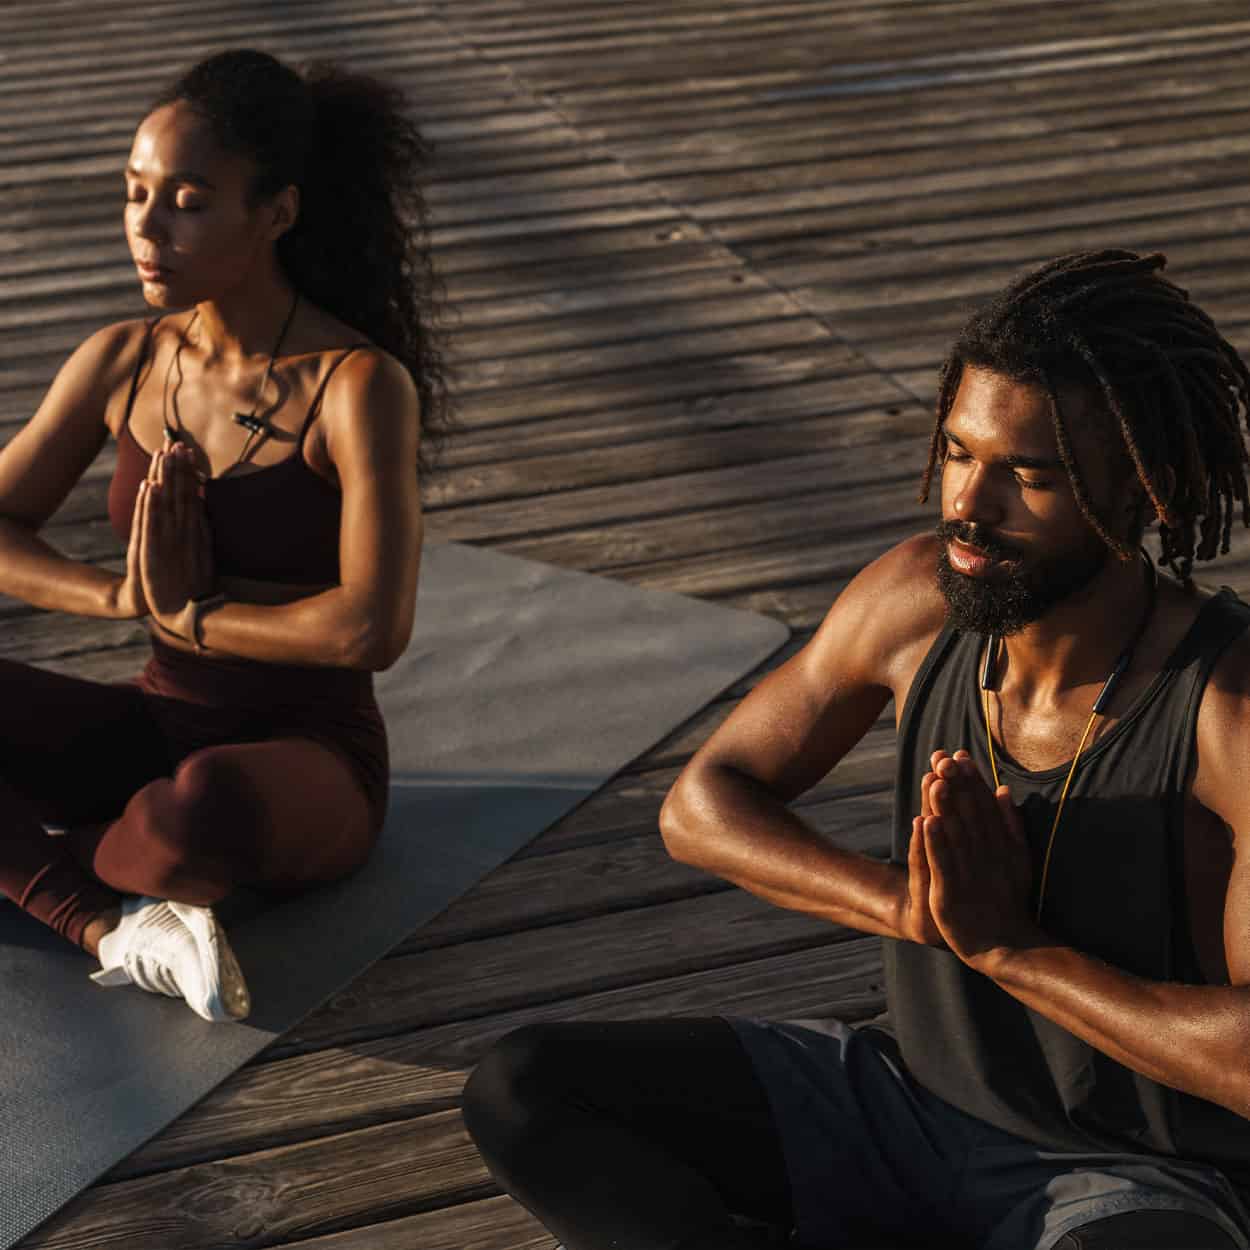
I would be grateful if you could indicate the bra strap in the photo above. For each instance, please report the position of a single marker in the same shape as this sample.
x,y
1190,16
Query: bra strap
x,y
138,369
315,407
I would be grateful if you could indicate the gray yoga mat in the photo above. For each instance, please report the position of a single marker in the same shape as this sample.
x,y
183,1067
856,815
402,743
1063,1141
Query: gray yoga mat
x,y
524,689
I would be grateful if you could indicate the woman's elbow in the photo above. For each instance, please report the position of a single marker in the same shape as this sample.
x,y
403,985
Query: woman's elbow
x,y
373,645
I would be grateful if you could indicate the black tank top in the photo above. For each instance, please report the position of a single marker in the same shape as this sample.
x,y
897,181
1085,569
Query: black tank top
x,y
279,523
1115,891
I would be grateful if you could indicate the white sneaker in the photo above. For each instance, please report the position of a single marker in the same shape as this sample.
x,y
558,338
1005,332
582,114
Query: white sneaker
x,y
178,950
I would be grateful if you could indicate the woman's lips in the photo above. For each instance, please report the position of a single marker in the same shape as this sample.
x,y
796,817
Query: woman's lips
x,y
152,273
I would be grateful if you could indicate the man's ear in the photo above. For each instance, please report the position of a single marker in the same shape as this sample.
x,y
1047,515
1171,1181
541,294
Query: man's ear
x,y
284,212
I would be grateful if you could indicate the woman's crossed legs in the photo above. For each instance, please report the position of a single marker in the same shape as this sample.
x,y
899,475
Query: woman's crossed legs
x,y
146,816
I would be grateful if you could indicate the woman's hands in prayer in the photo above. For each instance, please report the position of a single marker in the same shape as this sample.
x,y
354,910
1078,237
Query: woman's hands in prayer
x,y
169,561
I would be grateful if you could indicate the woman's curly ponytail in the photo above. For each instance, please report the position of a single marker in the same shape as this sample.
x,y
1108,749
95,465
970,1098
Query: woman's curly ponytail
x,y
360,247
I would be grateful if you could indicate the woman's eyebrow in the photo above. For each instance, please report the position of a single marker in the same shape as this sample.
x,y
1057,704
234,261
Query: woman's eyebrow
x,y
178,175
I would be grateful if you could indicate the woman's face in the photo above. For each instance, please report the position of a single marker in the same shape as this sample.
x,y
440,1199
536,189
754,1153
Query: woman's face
x,y
192,230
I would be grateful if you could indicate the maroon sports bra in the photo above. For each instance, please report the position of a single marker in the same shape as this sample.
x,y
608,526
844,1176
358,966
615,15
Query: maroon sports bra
x,y
279,523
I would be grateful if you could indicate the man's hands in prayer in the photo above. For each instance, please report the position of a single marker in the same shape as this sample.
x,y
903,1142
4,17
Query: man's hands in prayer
x,y
916,922
976,860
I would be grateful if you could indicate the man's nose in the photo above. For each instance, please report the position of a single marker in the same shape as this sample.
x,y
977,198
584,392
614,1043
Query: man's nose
x,y
976,501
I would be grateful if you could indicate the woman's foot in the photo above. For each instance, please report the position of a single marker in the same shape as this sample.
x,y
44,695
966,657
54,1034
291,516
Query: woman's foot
x,y
178,950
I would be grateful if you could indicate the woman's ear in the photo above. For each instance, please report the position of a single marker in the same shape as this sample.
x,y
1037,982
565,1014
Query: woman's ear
x,y
284,212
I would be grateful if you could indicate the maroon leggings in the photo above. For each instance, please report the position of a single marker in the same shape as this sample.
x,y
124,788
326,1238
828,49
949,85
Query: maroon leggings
x,y
176,797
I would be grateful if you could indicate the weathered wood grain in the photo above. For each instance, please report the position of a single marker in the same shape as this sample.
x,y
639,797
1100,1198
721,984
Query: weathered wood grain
x,y
706,259
337,1089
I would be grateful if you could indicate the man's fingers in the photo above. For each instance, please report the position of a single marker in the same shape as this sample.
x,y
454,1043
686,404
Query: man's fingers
x,y
967,804
926,807
1010,814
983,808
937,853
917,863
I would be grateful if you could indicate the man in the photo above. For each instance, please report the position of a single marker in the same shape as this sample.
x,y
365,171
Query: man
x,y
1067,907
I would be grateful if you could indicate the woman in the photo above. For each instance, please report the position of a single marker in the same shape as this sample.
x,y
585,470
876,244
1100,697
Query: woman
x,y
266,488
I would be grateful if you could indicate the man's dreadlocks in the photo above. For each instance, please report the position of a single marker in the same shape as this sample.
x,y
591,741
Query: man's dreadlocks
x,y
1177,389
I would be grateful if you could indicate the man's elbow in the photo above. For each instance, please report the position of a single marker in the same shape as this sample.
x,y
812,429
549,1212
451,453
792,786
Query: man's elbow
x,y
680,827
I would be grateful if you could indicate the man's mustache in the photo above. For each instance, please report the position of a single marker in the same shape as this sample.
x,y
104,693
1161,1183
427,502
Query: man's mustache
x,y
979,537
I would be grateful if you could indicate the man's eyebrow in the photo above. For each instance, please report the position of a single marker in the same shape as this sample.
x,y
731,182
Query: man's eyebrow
x,y
1012,462
178,175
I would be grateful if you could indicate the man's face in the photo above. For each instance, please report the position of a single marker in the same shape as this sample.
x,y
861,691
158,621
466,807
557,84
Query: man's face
x,y
1014,540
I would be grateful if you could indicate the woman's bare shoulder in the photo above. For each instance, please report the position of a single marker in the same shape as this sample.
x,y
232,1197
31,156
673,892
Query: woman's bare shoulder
x,y
103,365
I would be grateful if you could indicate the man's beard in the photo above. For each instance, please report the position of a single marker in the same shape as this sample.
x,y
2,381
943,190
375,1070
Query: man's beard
x,y
1008,599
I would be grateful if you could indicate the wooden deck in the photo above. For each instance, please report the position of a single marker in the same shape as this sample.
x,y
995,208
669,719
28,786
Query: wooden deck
x,y
706,256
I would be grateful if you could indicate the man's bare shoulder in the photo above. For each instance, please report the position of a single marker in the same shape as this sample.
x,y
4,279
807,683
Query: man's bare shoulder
x,y
1227,693
1223,734
883,623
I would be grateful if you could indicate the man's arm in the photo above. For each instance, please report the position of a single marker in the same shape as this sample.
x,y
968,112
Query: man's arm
x,y
1193,1038
727,812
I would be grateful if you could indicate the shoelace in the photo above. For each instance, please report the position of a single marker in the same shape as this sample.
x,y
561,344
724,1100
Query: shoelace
x,y
147,967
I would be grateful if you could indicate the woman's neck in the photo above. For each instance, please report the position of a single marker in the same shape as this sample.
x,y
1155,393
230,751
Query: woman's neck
x,y
244,322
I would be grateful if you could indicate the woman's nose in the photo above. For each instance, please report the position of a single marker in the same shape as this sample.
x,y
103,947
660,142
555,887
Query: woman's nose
x,y
149,222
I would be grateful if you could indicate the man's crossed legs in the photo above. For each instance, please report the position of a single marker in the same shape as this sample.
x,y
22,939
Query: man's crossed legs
x,y
709,1134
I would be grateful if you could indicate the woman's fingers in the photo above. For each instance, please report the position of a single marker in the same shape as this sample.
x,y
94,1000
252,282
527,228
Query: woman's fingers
x,y
177,494
135,542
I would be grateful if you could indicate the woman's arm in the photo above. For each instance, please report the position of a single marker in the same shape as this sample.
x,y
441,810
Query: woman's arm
x,y
40,466
371,428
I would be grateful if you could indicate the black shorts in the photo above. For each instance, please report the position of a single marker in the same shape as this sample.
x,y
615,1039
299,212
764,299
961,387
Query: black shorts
x,y
867,1147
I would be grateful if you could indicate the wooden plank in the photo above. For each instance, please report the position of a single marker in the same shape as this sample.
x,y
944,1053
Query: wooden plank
x,y
834,512
1027,101
629,805
684,380
560,368
598,879
335,1090
487,1224
361,1176
646,54
369,1175
782,138
407,992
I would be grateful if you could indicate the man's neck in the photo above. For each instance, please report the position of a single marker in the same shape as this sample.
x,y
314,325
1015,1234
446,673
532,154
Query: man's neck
x,y
1080,639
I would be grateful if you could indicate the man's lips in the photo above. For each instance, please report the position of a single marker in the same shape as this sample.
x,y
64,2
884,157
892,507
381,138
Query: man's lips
x,y
971,561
